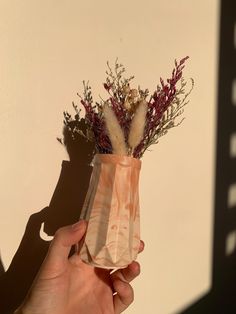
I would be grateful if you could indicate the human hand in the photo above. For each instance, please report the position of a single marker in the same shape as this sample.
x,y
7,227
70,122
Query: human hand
x,y
69,286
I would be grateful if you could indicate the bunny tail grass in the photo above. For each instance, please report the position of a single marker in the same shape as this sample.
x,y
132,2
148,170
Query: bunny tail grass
x,y
115,132
137,125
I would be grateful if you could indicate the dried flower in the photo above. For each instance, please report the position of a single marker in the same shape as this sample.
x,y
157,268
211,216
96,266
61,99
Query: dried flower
x,y
127,122
115,131
137,126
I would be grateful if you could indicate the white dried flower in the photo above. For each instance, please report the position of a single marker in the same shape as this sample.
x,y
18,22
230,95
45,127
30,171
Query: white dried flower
x,y
115,131
137,125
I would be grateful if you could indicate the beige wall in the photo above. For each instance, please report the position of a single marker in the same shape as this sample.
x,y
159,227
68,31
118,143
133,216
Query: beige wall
x,y
47,48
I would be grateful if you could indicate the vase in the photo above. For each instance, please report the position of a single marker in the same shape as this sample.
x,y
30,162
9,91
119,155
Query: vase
x,y
111,208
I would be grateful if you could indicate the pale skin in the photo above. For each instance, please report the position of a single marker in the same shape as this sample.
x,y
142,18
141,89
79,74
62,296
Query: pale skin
x,y
69,286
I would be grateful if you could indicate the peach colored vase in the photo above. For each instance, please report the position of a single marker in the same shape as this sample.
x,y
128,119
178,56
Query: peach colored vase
x,y
112,209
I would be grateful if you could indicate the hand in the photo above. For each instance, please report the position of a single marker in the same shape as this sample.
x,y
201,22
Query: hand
x,y
69,286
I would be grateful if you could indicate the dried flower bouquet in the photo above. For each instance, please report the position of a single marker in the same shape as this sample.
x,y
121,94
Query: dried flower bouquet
x,y
127,123
122,128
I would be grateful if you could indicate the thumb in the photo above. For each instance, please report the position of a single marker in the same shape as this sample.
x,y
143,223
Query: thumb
x,y
60,247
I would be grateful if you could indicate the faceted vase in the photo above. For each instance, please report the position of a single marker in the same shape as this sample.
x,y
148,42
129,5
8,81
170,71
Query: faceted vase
x,y
111,208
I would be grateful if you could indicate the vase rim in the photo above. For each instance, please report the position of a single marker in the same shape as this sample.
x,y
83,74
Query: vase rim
x,y
113,158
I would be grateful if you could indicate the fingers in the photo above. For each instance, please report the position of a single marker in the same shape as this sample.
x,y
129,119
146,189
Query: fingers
x,y
124,296
130,272
120,279
141,246
66,237
127,274
124,292
61,245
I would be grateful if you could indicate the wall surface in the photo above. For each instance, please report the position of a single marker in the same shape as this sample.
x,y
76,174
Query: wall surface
x,y
47,49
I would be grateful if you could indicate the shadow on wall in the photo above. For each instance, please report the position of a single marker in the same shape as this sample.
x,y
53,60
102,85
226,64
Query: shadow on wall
x,y
64,209
222,296
1,267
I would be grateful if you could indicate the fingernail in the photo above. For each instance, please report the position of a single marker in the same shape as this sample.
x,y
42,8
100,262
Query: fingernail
x,y
77,225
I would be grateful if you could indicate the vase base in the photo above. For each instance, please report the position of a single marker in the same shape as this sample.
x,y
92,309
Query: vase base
x,y
112,268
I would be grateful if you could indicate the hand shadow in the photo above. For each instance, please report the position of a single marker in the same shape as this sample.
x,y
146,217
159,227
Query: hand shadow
x,y
64,209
